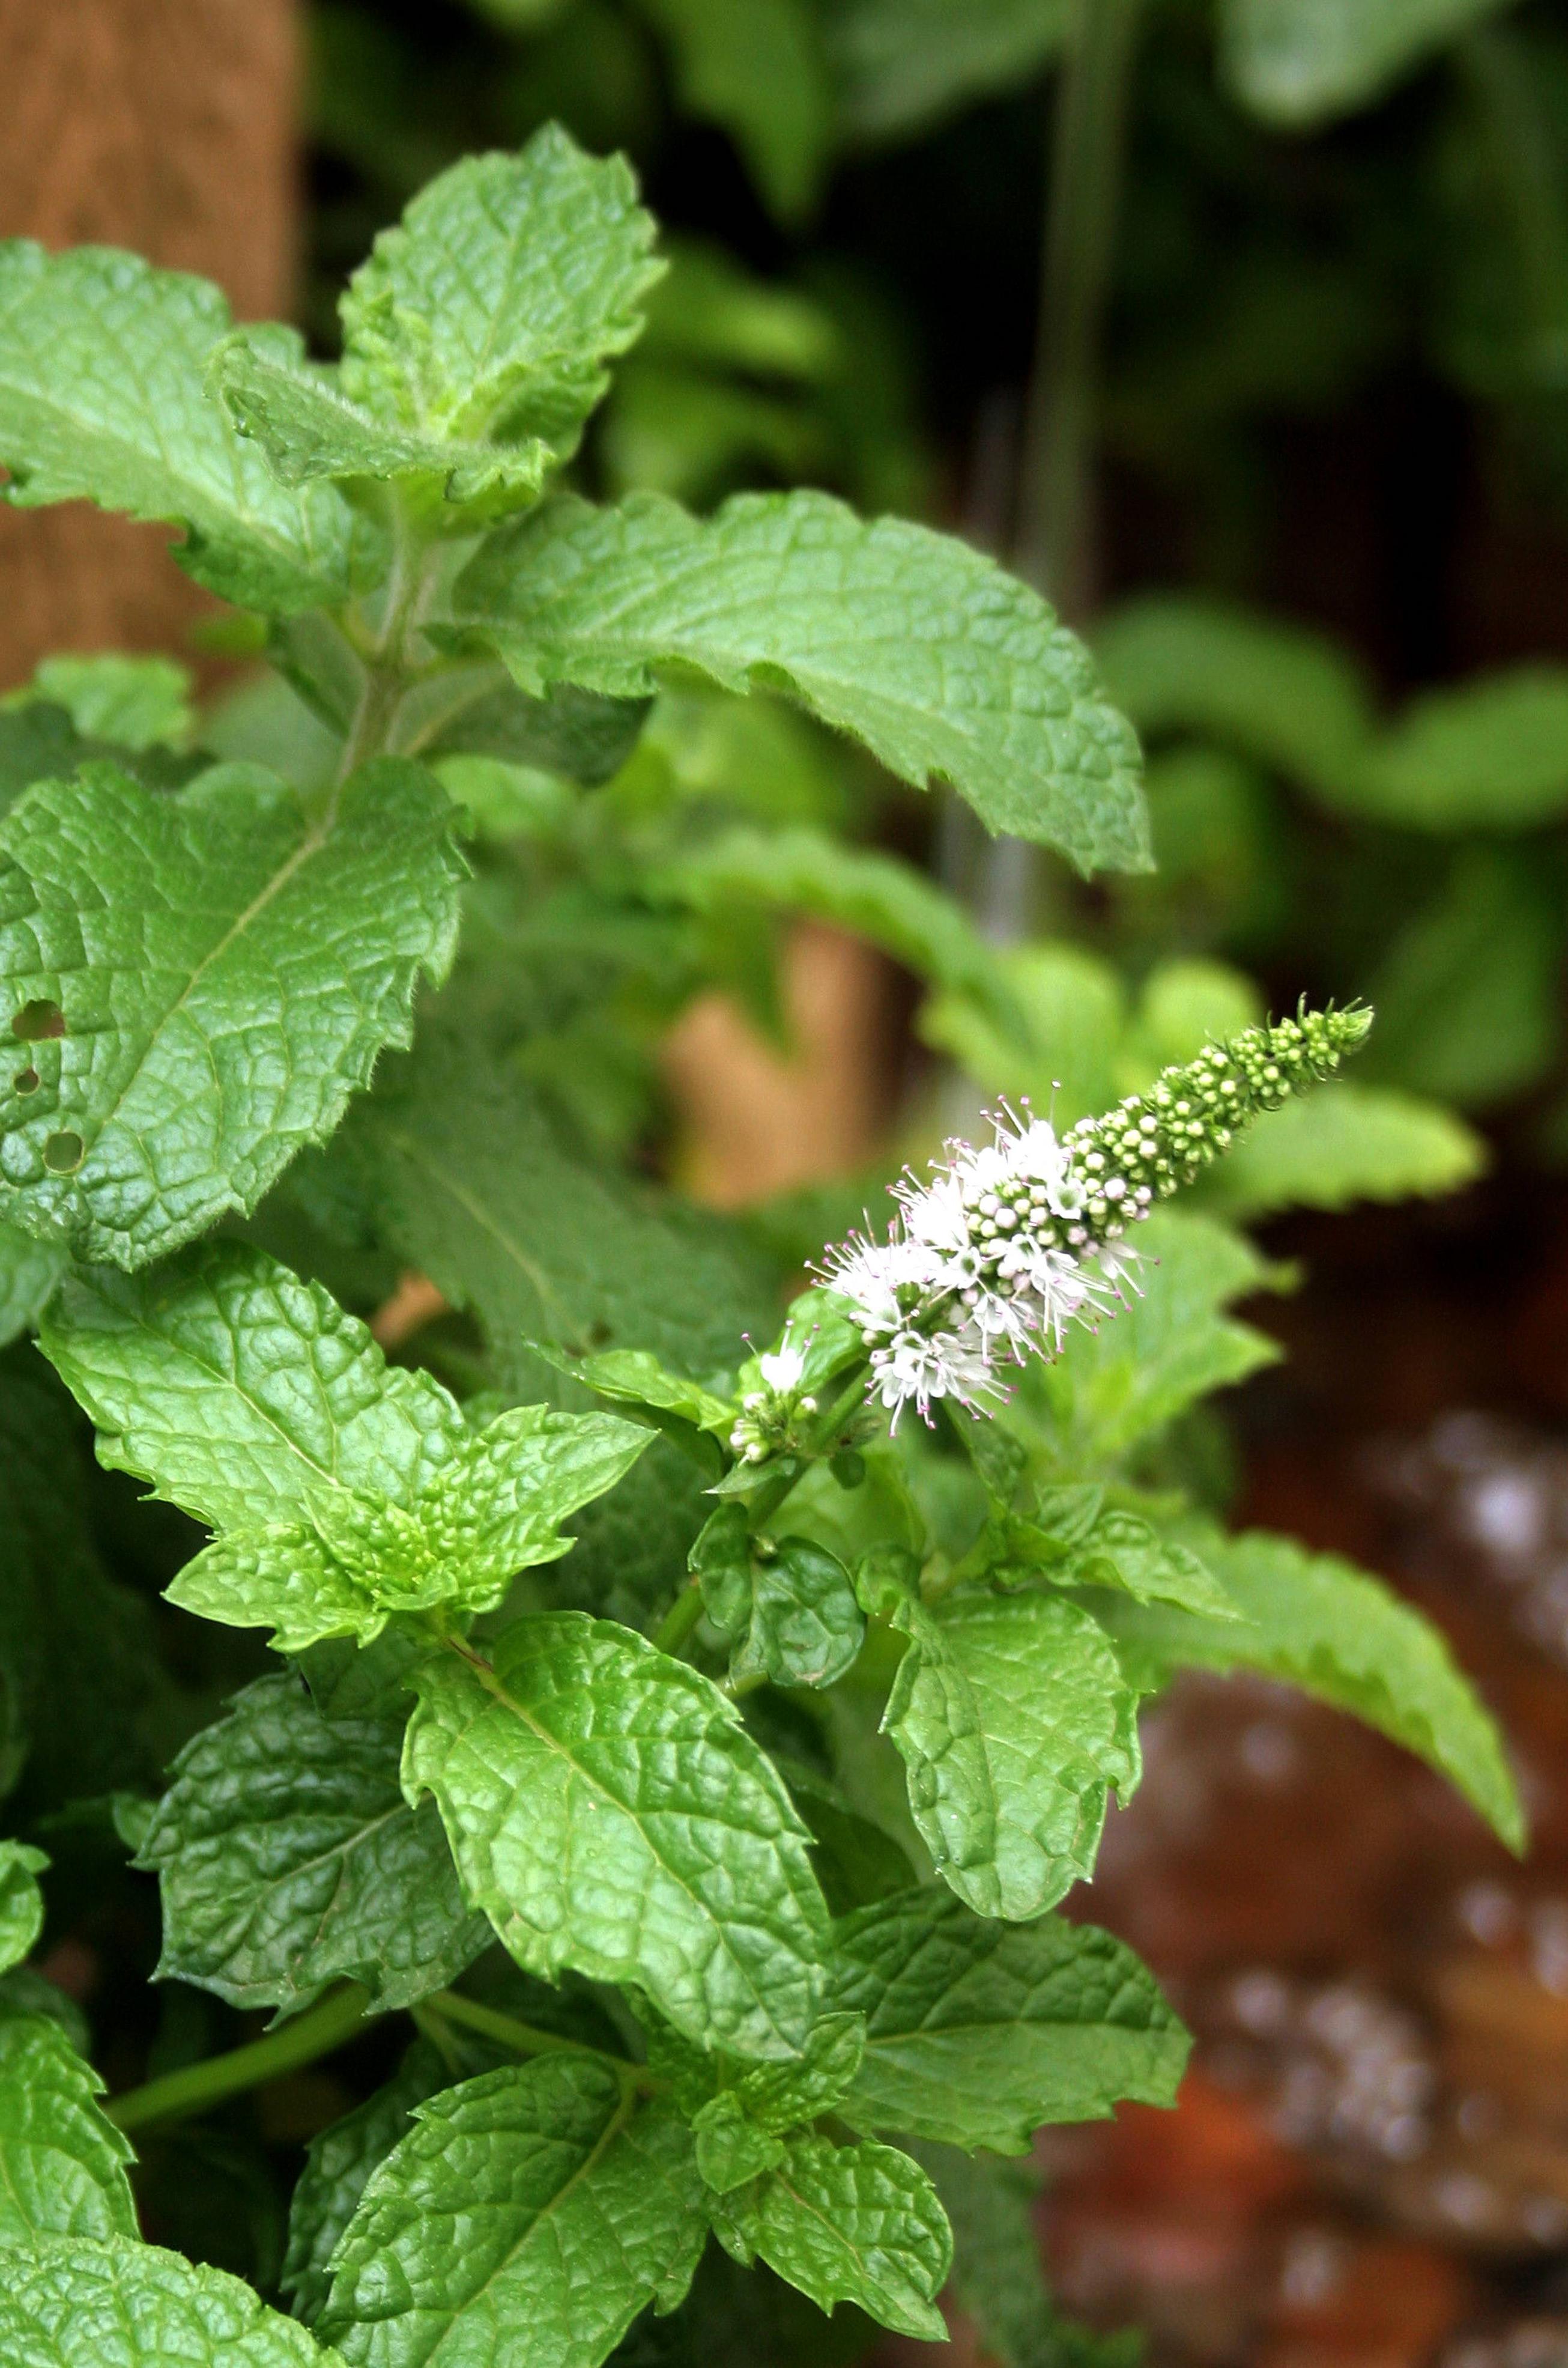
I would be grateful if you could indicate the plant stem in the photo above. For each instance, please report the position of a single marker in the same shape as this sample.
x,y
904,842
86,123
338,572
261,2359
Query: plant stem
x,y
523,2038
1054,542
679,1619
196,2088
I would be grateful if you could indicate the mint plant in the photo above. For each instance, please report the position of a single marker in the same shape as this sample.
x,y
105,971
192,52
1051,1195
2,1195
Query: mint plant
x,y
661,1760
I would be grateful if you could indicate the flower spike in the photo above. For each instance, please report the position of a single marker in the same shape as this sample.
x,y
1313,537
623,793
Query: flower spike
x,y
1012,1241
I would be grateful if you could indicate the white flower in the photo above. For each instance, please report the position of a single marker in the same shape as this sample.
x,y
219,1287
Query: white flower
x,y
916,1367
782,1368
935,1214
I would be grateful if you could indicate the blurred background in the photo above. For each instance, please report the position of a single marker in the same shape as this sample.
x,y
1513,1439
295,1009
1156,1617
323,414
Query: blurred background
x,y
1240,328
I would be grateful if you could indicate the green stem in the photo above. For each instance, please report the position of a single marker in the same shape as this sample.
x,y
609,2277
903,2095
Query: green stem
x,y
196,2088
1055,527
523,2038
679,1619
386,665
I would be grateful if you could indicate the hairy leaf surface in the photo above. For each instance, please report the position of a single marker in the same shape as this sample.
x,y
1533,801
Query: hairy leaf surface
x,y
1014,1723
103,397
531,2212
978,2031
202,982
289,1860
608,1812
947,668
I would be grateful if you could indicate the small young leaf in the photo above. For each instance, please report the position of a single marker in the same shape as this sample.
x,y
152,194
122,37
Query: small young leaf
x,y
339,2164
288,1859
77,2304
794,1616
21,1901
234,1388
946,668
136,702
1015,1722
489,314
635,1377
731,2148
978,2032
532,2212
1319,1622
584,1747
103,396
858,2223
61,2160
157,1091
780,2097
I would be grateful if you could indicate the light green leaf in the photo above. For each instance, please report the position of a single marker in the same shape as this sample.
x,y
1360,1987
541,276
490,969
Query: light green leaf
x,y
634,1377
1060,1050
339,2164
309,429
790,1609
489,314
1346,1143
138,701
531,2212
102,397
1491,754
977,2032
1301,63
1317,1622
61,2160
731,2148
997,2279
30,1275
1170,1347
903,64
1468,997
880,898
1125,1552
780,2097
1014,1723
947,668
1281,693
288,1859
499,1507
21,1901
471,1183
756,68
234,1388
858,2223
199,982
76,2304
584,1745
282,1577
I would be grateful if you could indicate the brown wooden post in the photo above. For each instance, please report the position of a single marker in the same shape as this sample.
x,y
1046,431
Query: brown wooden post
x,y
168,126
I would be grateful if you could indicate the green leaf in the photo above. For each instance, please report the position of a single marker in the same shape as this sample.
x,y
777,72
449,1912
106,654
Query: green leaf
x,y
339,2164
571,732
137,702
1285,695
858,2223
1301,63
997,2279
1172,1345
489,314
288,1859
234,1388
21,1901
1317,1622
1060,1051
40,743
947,668
977,2032
731,2148
471,1183
1125,1552
297,411
755,67
533,2211
61,2160
903,64
1014,1722
788,1606
1346,1143
30,1275
634,1377
76,2304
199,983
582,1743
1469,992
103,397
1491,754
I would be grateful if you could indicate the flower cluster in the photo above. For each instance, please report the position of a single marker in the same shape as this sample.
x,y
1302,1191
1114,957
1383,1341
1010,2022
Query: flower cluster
x,y
1011,1242
764,1425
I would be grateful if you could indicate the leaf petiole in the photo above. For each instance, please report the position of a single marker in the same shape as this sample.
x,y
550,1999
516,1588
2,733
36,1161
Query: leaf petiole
x,y
524,2038
196,2088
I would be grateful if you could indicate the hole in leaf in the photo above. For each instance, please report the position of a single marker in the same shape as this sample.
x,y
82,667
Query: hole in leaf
x,y
37,1020
64,1154
26,1081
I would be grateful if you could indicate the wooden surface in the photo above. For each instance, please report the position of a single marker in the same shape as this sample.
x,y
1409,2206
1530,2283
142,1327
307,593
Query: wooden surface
x,y
167,126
